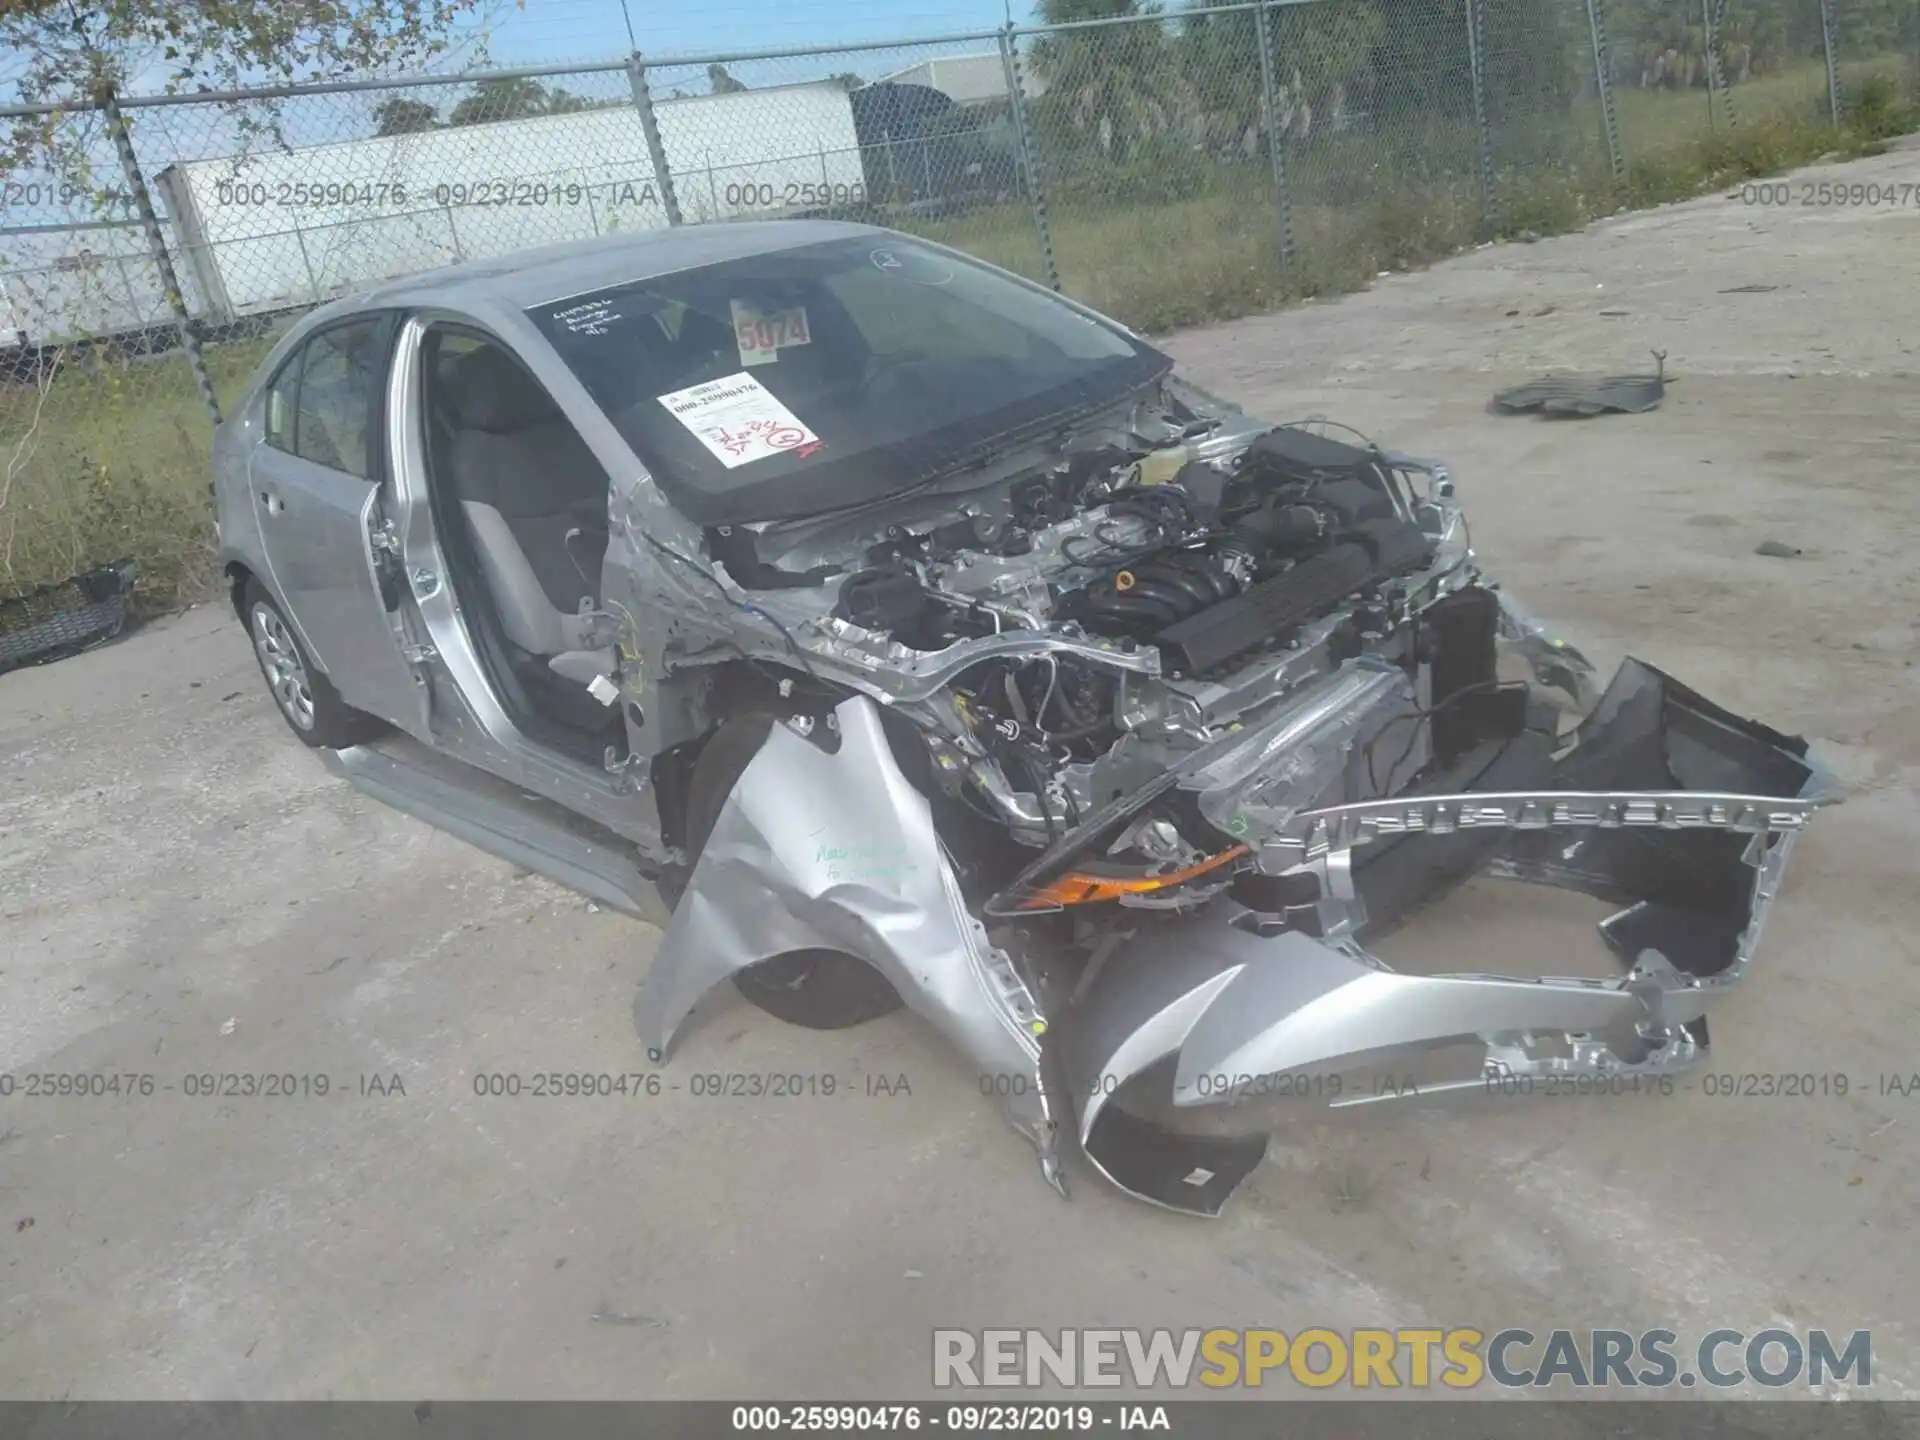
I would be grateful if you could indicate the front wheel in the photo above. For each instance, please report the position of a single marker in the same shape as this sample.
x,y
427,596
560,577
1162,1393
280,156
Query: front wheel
x,y
310,705
814,989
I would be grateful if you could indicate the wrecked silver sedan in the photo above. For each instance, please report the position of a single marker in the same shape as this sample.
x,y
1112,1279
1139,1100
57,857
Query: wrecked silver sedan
x,y
893,631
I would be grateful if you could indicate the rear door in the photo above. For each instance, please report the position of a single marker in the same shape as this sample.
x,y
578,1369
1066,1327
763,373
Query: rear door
x,y
318,483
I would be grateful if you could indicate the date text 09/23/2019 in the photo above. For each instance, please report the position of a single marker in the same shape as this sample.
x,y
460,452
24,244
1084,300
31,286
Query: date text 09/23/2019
x,y
512,192
732,195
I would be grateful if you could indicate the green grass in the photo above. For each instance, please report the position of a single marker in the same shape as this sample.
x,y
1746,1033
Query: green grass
x,y
117,463
1364,205
1656,121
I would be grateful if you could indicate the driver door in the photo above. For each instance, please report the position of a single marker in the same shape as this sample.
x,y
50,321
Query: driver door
x,y
319,480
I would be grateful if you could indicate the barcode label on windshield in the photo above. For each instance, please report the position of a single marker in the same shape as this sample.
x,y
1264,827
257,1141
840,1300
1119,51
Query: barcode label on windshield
x,y
739,420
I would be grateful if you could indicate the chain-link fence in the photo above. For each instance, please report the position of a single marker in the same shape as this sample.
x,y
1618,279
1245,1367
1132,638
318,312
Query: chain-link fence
x,y
1167,168
1876,50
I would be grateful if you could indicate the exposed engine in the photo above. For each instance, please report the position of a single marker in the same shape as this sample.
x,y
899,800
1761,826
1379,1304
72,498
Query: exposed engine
x,y
1214,562
1126,603
1068,626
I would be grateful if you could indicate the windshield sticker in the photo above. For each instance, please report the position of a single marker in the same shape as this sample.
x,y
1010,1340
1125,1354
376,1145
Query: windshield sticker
x,y
763,337
594,317
921,269
739,420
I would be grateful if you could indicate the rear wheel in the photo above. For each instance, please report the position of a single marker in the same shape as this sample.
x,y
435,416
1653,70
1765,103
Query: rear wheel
x,y
310,705
815,989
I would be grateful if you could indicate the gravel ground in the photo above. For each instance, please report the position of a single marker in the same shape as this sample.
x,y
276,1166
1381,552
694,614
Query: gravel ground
x,y
184,891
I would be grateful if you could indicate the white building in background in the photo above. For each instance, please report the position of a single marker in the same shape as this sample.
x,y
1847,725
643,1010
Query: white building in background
x,y
968,79
11,331
274,229
277,228
61,285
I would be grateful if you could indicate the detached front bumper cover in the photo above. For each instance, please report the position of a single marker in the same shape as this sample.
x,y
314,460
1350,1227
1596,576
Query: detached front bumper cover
x,y
1675,809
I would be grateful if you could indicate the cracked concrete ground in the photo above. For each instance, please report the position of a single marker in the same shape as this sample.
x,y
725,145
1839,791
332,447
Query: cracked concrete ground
x,y
184,892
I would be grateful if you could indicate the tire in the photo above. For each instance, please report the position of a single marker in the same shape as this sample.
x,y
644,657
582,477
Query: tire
x,y
305,699
814,989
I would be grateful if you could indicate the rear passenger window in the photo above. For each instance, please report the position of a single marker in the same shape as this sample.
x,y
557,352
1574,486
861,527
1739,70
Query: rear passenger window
x,y
339,380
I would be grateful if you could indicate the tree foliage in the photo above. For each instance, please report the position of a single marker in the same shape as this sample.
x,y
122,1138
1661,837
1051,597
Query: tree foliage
x,y
1136,104
401,116
1660,45
72,48
1174,83
72,52
510,98
1108,83
507,98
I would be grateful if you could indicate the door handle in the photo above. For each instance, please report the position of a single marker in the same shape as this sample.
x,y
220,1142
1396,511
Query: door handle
x,y
273,503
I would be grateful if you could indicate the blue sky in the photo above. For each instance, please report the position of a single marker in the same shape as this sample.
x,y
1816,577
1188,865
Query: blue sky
x,y
545,32
548,31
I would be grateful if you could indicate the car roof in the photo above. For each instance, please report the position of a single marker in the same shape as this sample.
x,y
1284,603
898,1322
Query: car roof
x,y
578,267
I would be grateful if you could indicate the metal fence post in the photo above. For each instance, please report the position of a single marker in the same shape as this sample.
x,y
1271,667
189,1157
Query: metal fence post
x,y
1720,64
157,247
1276,142
306,260
1833,70
1712,12
1477,66
1706,55
1603,78
1028,151
650,126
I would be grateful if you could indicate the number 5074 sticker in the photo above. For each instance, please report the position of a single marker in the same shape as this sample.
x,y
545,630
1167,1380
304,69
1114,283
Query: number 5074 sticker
x,y
762,337
739,420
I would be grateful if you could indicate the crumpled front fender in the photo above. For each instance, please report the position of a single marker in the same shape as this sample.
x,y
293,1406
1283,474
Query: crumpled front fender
x,y
825,844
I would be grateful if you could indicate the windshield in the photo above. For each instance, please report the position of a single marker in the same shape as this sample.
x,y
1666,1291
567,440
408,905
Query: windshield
x,y
800,380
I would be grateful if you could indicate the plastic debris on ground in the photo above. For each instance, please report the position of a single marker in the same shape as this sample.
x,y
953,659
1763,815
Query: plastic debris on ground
x,y
63,619
1588,395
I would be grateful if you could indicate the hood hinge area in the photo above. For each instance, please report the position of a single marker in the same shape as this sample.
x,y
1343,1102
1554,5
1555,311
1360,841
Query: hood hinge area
x,y
631,772
420,658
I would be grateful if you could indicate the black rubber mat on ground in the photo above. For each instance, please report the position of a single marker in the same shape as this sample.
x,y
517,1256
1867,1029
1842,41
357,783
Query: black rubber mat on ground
x,y
62,619
1587,395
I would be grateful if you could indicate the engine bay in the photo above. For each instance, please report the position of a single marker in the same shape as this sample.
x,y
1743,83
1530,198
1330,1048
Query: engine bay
x,y
1207,564
1063,632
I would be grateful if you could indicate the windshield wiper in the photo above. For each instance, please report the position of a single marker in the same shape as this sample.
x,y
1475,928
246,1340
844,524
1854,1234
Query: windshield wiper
x,y
982,452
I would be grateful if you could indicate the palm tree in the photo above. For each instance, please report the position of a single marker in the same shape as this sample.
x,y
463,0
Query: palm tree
x,y
1109,84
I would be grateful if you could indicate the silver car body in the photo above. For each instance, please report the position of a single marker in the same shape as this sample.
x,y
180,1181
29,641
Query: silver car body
x,y
825,842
